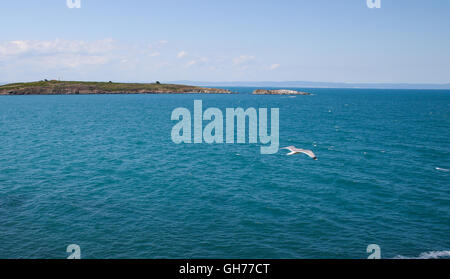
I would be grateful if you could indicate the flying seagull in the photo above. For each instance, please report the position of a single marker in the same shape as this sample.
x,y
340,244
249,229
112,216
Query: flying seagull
x,y
295,150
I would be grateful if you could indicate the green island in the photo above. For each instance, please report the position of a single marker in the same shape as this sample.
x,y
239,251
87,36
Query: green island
x,y
55,87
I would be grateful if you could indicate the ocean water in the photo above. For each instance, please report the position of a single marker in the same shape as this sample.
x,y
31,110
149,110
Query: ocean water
x,y
101,172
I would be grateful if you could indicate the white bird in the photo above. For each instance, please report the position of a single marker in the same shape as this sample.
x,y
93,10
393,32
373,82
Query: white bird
x,y
295,150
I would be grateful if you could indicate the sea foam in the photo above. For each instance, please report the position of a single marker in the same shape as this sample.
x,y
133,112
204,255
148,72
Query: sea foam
x,y
429,255
441,169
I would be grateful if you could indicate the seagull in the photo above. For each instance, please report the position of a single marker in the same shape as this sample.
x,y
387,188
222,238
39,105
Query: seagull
x,y
295,150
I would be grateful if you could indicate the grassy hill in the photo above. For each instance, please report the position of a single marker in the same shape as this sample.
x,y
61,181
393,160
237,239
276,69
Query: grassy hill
x,y
55,87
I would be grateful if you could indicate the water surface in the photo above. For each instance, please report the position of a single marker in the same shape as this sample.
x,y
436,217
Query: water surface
x,y
102,172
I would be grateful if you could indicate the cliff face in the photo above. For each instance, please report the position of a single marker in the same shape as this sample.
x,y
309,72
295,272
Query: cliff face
x,y
73,88
279,92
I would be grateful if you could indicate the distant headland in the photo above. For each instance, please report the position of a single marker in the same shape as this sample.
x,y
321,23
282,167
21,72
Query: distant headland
x,y
54,87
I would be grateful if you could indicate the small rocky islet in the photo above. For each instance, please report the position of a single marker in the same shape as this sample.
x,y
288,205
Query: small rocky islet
x,y
279,92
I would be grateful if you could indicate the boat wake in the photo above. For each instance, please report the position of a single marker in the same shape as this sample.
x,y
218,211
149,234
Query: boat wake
x,y
429,255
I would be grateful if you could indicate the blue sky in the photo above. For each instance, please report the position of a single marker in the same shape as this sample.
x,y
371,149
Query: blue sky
x,y
405,41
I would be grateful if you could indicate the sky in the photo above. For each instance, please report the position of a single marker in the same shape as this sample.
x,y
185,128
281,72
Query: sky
x,y
404,41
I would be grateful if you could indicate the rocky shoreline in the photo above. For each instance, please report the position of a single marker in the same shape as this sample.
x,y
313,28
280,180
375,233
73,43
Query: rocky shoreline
x,y
279,92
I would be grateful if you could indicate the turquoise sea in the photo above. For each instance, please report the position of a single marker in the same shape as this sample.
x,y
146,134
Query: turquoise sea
x,y
102,172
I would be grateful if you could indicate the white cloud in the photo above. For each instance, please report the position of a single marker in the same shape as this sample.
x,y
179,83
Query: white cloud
x,y
201,60
182,54
13,48
157,45
108,59
243,59
274,67
57,53
191,63
71,61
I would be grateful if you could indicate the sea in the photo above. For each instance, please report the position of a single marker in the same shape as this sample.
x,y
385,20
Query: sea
x,y
102,172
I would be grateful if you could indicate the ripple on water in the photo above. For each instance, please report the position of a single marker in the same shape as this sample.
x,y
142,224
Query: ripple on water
x,y
102,172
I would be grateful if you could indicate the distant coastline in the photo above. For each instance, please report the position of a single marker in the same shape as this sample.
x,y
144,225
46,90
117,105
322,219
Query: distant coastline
x,y
312,84
54,87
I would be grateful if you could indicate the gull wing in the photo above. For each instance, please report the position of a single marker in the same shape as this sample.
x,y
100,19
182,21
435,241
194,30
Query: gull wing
x,y
290,148
295,150
308,152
